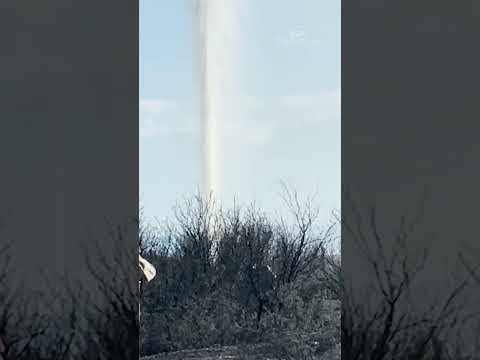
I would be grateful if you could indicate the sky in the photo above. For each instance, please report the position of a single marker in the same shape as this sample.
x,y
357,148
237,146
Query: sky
x,y
286,125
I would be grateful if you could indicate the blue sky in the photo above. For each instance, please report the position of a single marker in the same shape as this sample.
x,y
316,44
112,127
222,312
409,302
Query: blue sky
x,y
287,123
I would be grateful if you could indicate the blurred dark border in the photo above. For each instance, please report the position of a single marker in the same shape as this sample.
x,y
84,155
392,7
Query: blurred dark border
x,y
69,171
410,129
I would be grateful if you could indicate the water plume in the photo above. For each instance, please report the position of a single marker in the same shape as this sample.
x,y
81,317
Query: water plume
x,y
217,43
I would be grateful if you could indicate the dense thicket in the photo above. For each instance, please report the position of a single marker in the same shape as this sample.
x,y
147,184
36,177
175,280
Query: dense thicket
x,y
229,277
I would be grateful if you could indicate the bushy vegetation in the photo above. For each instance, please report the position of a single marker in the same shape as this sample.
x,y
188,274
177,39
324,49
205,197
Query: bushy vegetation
x,y
237,277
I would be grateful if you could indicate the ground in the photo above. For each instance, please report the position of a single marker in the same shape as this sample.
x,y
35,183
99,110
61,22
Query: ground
x,y
232,353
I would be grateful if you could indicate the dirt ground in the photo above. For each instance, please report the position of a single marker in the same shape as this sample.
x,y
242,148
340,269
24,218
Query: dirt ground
x,y
231,353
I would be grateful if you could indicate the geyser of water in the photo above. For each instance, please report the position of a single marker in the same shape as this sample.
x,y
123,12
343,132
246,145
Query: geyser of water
x,y
217,42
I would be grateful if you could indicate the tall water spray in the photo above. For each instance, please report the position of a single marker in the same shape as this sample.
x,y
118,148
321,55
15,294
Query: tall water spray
x,y
217,42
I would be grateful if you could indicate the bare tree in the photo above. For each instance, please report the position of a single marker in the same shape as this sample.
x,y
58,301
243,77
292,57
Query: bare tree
x,y
112,321
22,326
384,325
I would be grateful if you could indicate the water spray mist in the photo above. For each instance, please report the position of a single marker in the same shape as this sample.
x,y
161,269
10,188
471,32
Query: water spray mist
x,y
216,44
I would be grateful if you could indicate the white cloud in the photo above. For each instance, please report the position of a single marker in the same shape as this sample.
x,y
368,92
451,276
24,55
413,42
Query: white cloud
x,y
165,117
297,37
329,99
252,120
323,106
258,120
156,105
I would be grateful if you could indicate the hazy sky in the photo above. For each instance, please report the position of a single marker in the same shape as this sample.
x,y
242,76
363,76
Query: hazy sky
x,y
286,126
